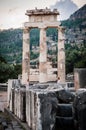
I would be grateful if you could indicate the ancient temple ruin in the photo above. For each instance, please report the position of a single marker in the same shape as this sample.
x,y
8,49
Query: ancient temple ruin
x,y
42,19
46,105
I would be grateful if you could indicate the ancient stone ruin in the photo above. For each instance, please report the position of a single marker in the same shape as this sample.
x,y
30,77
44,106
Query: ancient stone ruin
x,y
41,106
46,105
42,19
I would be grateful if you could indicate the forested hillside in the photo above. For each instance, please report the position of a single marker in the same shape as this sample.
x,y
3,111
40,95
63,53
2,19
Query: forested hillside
x,y
11,43
76,27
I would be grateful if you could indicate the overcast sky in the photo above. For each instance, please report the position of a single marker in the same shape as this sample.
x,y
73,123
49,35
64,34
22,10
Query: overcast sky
x,y
12,12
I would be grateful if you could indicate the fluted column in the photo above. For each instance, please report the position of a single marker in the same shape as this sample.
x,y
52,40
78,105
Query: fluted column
x,y
61,54
43,57
26,56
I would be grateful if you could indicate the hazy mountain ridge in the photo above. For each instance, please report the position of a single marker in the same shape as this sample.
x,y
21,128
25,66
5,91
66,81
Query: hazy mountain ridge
x,y
65,7
76,27
79,14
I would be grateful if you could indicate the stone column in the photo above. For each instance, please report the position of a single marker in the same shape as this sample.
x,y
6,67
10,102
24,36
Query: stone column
x,y
43,57
26,56
61,54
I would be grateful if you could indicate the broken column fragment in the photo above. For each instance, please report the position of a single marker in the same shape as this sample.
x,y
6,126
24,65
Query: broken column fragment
x,y
80,78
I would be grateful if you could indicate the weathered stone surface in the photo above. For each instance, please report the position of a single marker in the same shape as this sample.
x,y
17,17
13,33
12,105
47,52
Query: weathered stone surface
x,y
42,101
15,123
42,12
12,84
64,117
18,129
64,110
17,99
65,96
46,107
8,122
80,110
9,126
41,107
64,123
20,104
43,57
4,124
8,129
48,110
26,56
61,54
80,78
11,101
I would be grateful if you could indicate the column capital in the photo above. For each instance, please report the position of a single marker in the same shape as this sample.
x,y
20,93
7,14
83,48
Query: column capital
x,y
42,28
26,29
62,29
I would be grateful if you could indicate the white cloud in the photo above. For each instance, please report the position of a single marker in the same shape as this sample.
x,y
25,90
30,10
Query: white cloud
x,y
79,3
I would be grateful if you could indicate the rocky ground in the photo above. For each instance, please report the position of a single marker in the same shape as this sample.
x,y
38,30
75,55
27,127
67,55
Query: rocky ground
x,y
8,123
3,100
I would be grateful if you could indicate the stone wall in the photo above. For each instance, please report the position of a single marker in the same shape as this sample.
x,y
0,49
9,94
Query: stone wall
x,y
48,106
38,105
51,76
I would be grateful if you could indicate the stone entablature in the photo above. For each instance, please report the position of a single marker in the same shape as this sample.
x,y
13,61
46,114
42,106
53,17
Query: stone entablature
x,y
42,15
42,12
44,24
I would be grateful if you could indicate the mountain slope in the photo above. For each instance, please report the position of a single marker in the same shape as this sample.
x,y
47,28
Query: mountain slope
x,y
79,14
76,27
11,44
